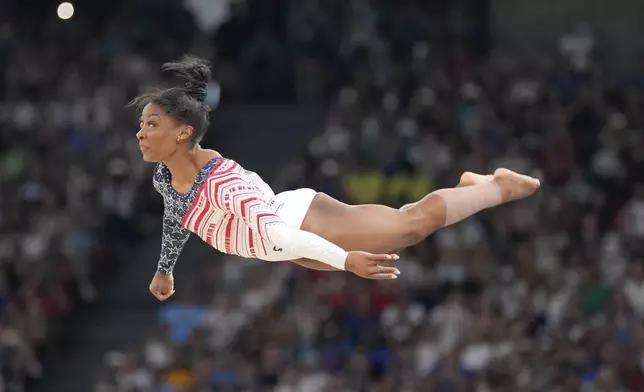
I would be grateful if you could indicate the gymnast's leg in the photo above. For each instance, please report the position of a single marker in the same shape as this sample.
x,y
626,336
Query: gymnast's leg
x,y
467,179
380,229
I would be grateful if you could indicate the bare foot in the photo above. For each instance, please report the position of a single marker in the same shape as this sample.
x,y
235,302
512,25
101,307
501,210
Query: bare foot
x,y
513,185
470,179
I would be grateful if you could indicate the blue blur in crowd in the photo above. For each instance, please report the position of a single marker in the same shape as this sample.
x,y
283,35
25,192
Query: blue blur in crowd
x,y
182,321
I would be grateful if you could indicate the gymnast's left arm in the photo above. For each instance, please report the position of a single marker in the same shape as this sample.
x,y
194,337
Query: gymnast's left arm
x,y
314,265
240,197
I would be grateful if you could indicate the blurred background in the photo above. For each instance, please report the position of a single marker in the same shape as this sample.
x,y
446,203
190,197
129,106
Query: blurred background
x,y
371,101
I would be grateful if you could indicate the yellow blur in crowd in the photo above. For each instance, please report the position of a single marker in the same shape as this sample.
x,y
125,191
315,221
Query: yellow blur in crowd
x,y
179,378
371,187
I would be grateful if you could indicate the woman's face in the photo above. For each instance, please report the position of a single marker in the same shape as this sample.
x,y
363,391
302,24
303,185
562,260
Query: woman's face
x,y
160,136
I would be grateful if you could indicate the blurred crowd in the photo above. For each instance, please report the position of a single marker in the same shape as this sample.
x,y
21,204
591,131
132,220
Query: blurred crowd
x,y
73,187
545,294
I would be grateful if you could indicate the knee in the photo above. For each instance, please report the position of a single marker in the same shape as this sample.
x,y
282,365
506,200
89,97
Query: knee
x,y
421,222
416,226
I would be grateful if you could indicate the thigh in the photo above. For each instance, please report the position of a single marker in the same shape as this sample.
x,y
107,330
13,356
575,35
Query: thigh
x,y
369,228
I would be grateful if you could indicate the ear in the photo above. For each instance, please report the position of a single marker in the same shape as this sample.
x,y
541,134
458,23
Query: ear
x,y
185,133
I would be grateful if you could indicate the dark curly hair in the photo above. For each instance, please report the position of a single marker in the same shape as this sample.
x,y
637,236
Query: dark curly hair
x,y
186,104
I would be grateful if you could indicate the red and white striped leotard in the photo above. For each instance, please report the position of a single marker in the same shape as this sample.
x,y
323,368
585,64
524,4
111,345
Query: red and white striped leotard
x,y
236,212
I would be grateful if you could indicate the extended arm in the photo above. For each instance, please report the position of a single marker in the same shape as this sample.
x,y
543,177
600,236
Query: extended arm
x,y
314,265
241,198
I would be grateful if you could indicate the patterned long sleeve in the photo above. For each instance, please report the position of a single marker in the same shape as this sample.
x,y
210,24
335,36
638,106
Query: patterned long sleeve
x,y
173,240
174,236
237,195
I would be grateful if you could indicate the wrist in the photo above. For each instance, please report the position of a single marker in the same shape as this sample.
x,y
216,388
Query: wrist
x,y
164,271
348,264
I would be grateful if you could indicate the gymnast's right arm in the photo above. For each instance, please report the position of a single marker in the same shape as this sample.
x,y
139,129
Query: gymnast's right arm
x,y
173,239
174,236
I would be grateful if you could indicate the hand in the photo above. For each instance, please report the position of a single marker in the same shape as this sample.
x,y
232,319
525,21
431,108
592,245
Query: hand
x,y
162,286
370,266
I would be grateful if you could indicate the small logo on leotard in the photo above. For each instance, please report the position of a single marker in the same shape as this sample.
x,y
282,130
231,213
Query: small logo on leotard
x,y
276,249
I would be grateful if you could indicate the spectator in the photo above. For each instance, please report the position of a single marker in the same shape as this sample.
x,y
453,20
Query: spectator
x,y
182,320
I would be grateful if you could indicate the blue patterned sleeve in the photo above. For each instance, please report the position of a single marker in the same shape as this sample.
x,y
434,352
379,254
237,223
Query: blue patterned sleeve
x,y
173,240
174,236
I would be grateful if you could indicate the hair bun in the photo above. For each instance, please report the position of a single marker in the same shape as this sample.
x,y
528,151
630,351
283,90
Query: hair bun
x,y
195,73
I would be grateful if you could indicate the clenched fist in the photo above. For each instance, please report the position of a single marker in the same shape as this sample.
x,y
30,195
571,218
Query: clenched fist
x,y
162,286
